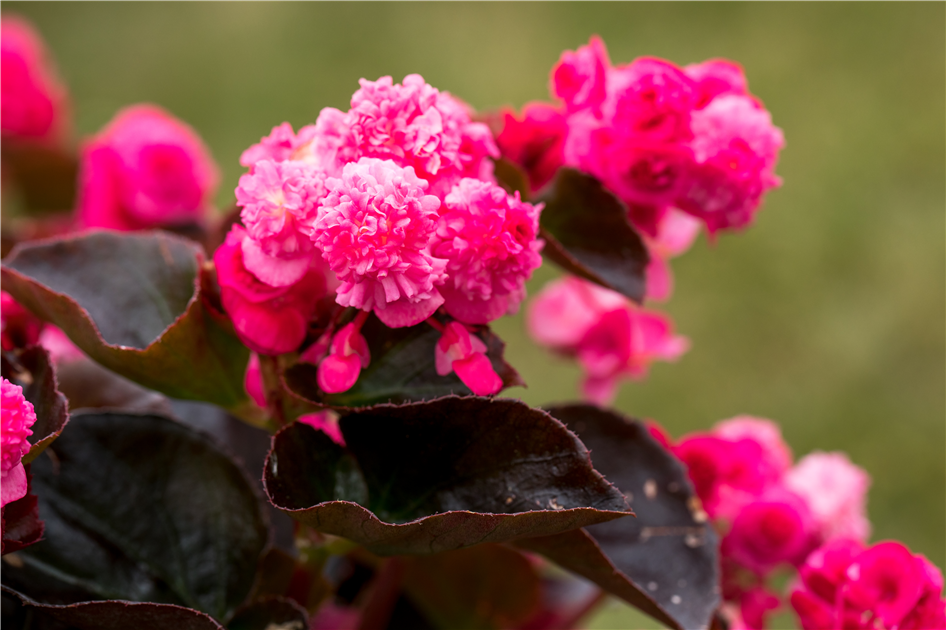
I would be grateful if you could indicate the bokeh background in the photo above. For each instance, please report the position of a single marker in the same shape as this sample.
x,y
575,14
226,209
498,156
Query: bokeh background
x,y
826,315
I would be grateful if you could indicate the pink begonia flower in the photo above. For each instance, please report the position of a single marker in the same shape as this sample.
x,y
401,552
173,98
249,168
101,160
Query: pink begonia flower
x,y
612,338
32,99
268,319
836,491
459,351
535,142
580,77
279,202
348,354
253,381
775,528
735,146
885,579
676,231
145,169
755,606
651,99
716,77
281,145
19,328
374,230
18,416
776,455
325,421
415,125
489,239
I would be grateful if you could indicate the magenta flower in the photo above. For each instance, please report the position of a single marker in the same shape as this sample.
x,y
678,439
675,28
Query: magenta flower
x,y
675,233
279,202
32,100
580,78
18,416
145,169
716,77
836,491
489,240
348,354
374,229
535,142
459,351
268,319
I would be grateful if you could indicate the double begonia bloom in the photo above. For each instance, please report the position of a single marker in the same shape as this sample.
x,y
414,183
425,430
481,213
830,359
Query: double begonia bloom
x,y
885,586
32,100
374,229
716,77
612,338
415,125
836,491
459,351
279,200
17,418
535,142
489,239
268,319
145,169
580,77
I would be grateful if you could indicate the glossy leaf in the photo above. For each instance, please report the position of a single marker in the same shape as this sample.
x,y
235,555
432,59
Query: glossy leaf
x,y
118,615
132,303
441,475
665,562
33,371
22,526
88,385
272,613
402,369
141,508
587,233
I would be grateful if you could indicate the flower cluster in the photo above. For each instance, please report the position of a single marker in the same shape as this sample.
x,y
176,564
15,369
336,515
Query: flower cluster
x,y
396,197
771,513
611,338
145,169
18,416
33,100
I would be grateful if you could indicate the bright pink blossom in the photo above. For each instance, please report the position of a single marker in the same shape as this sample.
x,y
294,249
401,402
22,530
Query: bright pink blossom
x,y
145,169
776,528
535,142
651,99
281,145
755,606
18,416
836,491
489,239
348,354
459,351
716,77
580,77
374,230
18,327
32,99
279,202
268,319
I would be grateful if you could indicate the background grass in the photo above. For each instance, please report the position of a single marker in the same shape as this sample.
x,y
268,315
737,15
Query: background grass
x,y
827,315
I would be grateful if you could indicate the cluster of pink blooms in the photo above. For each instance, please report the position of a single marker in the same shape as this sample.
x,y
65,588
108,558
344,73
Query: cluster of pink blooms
x,y
393,207
610,337
33,102
809,516
17,418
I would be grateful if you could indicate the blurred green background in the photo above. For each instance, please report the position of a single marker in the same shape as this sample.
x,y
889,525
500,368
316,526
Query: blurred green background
x,y
827,315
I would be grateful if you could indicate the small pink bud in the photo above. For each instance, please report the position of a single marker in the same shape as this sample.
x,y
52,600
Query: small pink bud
x,y
325,421
459,351
349,353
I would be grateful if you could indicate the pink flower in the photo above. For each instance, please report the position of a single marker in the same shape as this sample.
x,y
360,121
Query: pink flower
x,y
652,99
580,77
326,422
489,240
459,351
19,328
280,201
774,529
886,580
253,381
736,148
415,125
58,345
716,77
32,100
281,145
639,172
268,319
374,229
18,416
836,491
535,142
675,233
348,354
755,606
145,169
612,338
776,456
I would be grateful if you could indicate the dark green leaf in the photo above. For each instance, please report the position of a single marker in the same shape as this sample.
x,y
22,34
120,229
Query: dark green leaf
x,y
44,176
402,369
272,613
132,303
33,371
141,508
88,385
587,232
437,476
665,562
119,615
